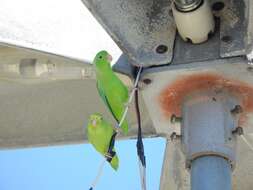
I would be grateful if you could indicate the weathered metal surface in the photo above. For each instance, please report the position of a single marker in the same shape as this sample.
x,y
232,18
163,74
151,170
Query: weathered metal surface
x,y
174,175
249,16
234,28
144,29
169,86
242,176
207,126
50,106
167,90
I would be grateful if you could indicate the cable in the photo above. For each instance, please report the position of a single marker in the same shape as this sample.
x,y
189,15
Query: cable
x,y
139,143
131,96
246,142
100,170
239,131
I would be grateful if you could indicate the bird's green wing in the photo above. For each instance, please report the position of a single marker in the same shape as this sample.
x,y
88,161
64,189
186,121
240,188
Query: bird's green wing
x,y
103,96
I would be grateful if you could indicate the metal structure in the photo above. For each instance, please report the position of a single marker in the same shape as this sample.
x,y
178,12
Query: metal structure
x,y
211,172
187,5
189,91
208,140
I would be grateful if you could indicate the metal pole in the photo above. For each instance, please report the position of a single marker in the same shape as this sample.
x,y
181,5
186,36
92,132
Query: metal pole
x,y
210,172
208,141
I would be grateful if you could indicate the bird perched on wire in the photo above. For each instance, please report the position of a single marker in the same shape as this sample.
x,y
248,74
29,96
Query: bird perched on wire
x,y
111,89
100,134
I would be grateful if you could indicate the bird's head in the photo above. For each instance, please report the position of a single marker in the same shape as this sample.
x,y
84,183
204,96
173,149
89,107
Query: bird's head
x,y
103,58
95,120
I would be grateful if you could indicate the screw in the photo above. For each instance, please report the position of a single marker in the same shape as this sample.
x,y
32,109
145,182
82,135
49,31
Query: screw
x,y
236,110
174,119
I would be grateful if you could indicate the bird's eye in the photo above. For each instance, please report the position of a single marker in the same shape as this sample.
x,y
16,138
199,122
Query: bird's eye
x,y
100,57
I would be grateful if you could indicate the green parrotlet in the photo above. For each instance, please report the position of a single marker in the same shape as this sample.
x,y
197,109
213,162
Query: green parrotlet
x,y
111,89
99,133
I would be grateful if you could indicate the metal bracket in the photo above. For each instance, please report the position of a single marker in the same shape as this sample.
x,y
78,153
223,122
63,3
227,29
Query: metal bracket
x,y
143,29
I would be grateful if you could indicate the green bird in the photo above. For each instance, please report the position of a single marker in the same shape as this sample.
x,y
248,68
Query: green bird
x,y
111,89
99,133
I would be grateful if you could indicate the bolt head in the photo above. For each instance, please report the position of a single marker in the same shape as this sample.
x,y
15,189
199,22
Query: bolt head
x,y
147,81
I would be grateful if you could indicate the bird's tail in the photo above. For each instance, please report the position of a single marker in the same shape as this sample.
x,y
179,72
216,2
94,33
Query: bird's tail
x,y
115,162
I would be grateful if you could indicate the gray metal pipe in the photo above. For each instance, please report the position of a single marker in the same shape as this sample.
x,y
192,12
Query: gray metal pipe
x,y
208,142
210,172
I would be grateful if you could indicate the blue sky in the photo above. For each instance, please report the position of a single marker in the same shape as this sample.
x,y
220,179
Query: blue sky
x,y
73,167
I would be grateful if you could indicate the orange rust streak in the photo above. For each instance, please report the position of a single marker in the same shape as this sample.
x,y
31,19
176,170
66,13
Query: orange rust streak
x,y
172,97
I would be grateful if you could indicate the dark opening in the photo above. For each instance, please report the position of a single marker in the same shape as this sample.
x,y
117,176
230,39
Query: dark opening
x,y
218,6
226,39
188,40
147,81
161,49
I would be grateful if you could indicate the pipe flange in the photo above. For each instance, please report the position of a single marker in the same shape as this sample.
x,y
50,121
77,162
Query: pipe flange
x,y
229,157
208,125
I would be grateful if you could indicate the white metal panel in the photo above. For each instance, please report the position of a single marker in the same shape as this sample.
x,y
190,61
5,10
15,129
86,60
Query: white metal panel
x,y
52,106
59,27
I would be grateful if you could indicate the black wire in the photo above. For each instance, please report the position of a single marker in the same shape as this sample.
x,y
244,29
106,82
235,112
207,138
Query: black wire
x,y
111,146
139,144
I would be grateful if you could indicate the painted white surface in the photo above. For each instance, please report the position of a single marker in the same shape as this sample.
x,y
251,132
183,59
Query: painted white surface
x,y
64,27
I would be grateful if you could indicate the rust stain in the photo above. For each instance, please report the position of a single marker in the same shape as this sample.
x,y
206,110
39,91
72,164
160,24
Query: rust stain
x,y
172,97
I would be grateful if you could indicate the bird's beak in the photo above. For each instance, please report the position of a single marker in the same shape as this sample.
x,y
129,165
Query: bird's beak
x,y
94,122
109,58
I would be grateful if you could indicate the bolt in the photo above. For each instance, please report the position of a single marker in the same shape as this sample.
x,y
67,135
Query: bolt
x,y
238,131
174,136
236,110
147,81
174,119
161,49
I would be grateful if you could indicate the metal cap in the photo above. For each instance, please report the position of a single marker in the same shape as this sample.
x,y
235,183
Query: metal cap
x,y
187,5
